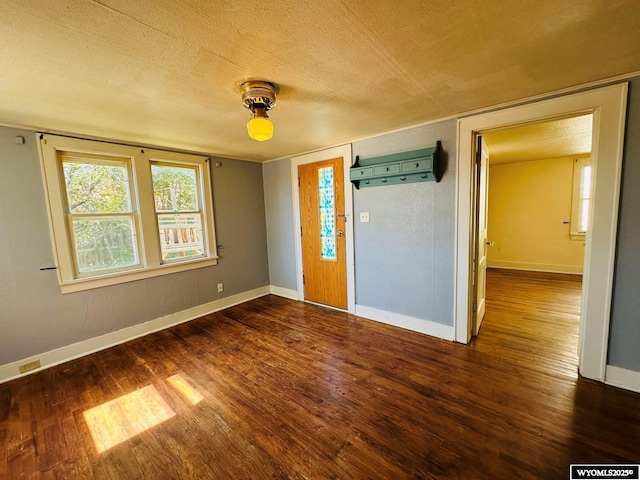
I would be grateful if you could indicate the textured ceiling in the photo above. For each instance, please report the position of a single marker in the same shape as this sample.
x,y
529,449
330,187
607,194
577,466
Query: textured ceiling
x,y
167,73
553,139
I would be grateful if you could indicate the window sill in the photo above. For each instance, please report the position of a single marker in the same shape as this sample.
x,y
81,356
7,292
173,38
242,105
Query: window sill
x,y
80,284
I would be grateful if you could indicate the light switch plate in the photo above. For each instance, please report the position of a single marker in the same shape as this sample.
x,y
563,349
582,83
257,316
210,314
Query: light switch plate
x,y
364,217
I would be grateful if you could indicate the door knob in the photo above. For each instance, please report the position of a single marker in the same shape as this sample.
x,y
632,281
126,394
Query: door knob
x,y
340,234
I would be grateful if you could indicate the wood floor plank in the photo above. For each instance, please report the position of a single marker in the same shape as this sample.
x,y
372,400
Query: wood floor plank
x,y
279,389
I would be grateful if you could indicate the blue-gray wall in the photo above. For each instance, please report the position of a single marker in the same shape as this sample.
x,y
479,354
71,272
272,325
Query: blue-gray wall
x,y
35,317
280,223
238,204
404,256
624,340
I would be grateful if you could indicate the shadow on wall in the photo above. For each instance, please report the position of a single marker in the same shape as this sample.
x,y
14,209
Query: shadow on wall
x,y
443,163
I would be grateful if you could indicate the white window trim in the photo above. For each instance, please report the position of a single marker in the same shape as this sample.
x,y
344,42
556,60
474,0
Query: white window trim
x,y
143,204
578,163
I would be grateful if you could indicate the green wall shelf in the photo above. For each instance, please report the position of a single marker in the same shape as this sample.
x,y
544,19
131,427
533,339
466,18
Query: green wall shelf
x,y
406,167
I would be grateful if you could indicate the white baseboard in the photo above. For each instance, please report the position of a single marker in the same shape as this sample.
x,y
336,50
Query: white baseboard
x,y
410,323
535,267
622,378
48,359
284,292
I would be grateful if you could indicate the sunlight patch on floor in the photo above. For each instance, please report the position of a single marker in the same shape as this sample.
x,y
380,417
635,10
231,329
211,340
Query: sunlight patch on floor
x,y
118,420
189,393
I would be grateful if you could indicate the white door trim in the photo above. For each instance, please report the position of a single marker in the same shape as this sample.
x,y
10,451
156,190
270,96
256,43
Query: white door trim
x,y
608,105
343,151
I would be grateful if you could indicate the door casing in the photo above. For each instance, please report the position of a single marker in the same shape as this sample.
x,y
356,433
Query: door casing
x,y
608,105
343,151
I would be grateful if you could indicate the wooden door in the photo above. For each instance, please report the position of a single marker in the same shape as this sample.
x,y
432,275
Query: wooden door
x,y
322,222
481,244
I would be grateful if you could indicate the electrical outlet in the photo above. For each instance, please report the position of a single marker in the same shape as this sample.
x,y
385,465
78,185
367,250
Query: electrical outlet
x,y
220,287
27,367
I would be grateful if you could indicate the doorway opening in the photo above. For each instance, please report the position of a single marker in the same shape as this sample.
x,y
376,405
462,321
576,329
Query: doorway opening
x,y
538,200
608,106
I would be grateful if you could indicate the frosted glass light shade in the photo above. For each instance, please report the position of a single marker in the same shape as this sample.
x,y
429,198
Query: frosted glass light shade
x,y
260,129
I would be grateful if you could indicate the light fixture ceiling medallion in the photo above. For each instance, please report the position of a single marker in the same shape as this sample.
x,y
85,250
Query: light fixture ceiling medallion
x,y
259,97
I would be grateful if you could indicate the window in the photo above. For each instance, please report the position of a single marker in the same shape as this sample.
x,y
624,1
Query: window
x,y
121,213
99,210
581,201
327,214
178,211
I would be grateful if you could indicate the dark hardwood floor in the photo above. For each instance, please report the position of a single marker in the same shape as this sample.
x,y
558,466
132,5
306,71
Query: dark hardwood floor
x,y
281,389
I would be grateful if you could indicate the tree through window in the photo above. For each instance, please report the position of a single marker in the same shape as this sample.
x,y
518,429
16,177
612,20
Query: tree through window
x,y
120,213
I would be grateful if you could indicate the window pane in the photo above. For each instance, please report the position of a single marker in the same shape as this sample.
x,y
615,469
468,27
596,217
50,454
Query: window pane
x,y
583,223
97,188
175,189
585,182
180,236
327,214
104,243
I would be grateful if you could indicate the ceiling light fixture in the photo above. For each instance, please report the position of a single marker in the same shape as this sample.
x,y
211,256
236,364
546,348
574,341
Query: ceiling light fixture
x,y
259,97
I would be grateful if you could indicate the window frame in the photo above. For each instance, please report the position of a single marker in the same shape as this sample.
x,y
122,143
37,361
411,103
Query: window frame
x,y
52,149
576,197
200,211
334,257
132,214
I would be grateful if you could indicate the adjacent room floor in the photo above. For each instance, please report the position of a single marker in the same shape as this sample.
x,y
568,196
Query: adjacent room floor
x,y
280,389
